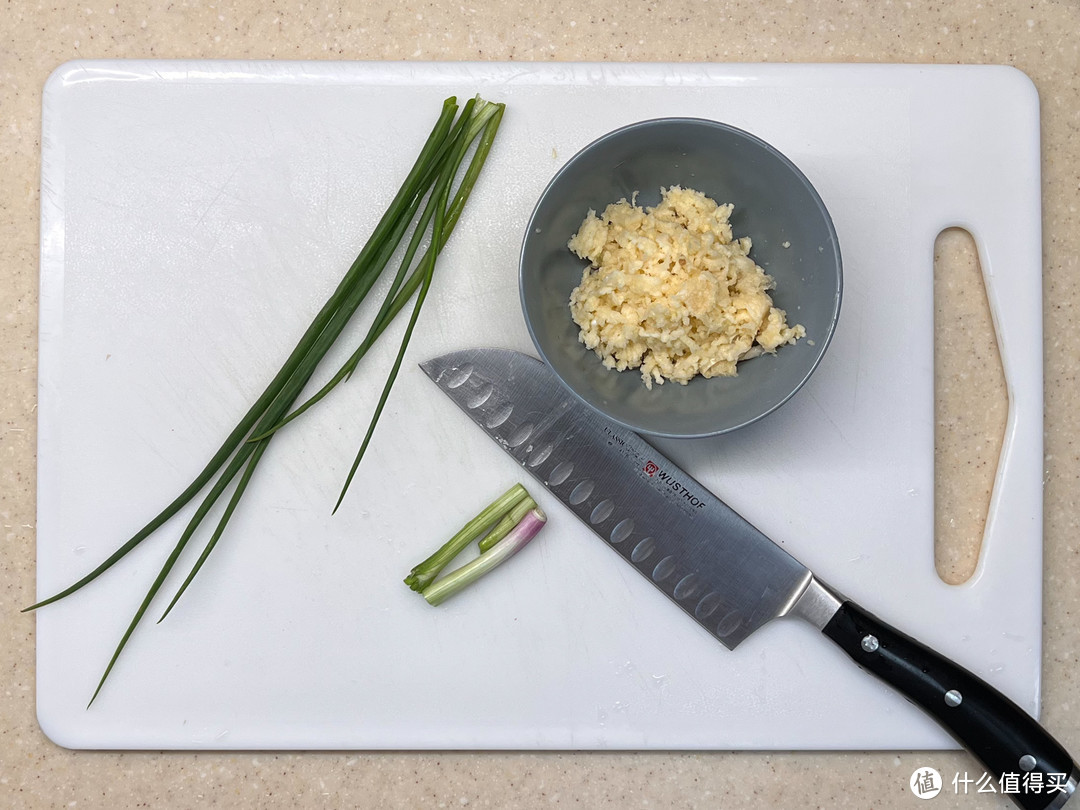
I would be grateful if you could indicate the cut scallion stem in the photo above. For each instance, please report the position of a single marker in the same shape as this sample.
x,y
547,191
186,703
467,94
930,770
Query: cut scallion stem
x,y
517,539
508,522
424,574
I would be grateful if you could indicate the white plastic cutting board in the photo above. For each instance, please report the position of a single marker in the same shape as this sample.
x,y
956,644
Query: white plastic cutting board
x,y
196,214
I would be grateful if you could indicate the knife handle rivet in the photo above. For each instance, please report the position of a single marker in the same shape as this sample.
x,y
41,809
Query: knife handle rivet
x,y
870,643
953,698
1027,763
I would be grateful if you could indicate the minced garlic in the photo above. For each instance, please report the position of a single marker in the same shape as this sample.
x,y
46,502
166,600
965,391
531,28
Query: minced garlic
x,y
669,291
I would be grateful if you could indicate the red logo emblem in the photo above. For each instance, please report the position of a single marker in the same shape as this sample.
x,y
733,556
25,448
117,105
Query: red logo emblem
x,y
651,469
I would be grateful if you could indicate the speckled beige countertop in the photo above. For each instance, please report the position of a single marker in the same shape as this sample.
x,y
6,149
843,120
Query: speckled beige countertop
x,y
1037,36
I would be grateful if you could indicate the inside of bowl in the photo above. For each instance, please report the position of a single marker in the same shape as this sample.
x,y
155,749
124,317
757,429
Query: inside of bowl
x,y
793,241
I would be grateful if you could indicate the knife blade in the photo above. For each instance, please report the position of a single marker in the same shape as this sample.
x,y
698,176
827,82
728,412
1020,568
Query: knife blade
x,y
721,570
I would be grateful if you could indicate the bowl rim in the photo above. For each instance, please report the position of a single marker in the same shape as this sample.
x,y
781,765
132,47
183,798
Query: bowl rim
x,y
796,172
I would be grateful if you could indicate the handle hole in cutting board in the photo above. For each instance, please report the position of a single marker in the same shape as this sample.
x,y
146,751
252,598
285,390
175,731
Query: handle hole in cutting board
x,y
970,405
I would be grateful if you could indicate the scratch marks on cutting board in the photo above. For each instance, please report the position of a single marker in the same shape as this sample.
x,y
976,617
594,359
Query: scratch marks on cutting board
x,y
216,199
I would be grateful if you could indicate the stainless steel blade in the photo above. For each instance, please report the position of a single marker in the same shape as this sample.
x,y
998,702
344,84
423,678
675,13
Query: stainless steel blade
x,y
716,566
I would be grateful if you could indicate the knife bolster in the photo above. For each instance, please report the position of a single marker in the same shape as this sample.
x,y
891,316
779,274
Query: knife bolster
x,y
817,603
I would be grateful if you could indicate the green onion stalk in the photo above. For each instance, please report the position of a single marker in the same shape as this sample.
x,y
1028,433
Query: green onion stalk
x,y
508,522
502,529
430,203
424,574
517,538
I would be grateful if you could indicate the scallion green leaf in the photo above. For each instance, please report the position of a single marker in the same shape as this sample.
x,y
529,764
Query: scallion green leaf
x,y
430,178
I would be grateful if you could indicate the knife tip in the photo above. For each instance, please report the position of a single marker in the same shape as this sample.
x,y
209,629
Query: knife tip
x,y
428,366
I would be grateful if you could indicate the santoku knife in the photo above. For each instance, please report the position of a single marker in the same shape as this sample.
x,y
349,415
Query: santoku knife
x,y
718,568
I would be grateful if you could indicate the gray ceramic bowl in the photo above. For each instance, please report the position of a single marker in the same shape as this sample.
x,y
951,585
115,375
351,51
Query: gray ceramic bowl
x,y
774,205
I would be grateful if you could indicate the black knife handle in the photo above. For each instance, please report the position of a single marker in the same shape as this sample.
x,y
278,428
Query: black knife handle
x,y
1001,735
